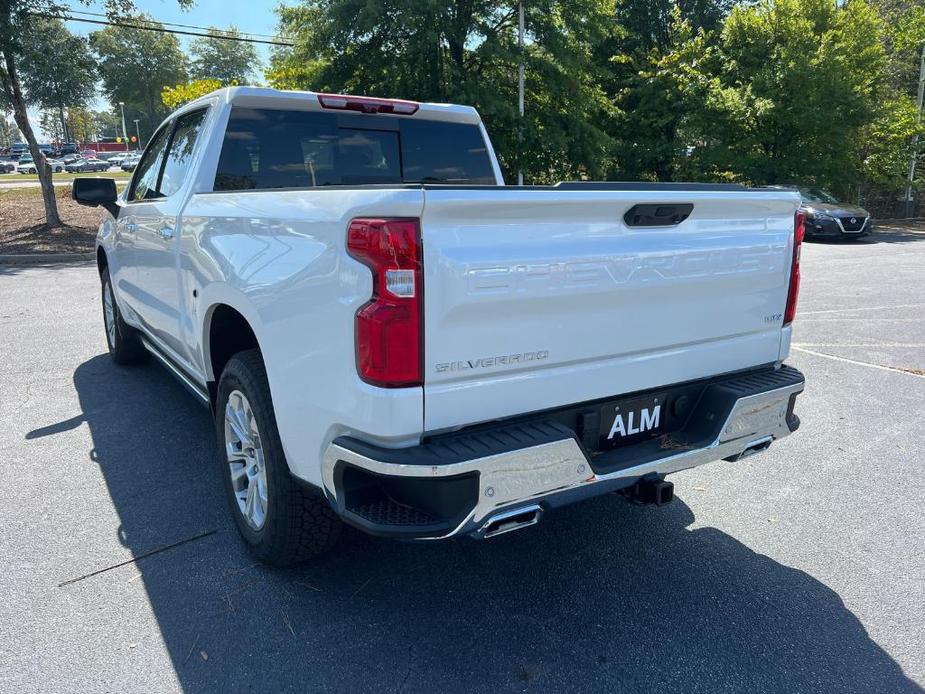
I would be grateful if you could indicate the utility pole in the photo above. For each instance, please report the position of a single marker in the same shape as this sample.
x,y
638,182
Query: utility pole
x,y
63,124
915,138
520,85
124,134
138,133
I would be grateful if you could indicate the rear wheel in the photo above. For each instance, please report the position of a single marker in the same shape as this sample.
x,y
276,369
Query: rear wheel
x,y
122,339
281,521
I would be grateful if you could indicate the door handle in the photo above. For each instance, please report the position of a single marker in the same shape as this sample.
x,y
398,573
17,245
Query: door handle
x,y
131,227
166,233
665,215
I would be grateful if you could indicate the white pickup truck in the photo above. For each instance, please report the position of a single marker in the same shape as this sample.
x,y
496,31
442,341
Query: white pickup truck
x,y
389,336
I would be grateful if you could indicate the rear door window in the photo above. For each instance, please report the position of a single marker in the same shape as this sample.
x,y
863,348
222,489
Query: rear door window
x,y
273,148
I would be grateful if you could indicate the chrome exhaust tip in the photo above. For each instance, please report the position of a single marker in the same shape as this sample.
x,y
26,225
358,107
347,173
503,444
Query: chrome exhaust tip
x,y
513,519
752,448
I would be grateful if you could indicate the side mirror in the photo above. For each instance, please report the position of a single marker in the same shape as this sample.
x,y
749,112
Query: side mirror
x,y
96,192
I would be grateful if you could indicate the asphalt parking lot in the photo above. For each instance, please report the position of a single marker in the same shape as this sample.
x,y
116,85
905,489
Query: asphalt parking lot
x,y
800,570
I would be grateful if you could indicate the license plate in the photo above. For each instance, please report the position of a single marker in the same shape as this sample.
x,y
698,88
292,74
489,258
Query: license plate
x,y
631,420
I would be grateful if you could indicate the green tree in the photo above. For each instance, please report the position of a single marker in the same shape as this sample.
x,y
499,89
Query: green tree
x,y
51,124
32,73
176,96
136,65
220,57
81,124
17,20
466,51
896,135
800,80
53,82
648,24
659,68
106,123
9,133
905,33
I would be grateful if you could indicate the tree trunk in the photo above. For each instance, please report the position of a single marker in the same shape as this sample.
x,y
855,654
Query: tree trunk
x,y
460,25
14,92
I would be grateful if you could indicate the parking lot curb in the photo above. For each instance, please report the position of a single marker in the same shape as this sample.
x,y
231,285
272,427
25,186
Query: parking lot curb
x,y
45,258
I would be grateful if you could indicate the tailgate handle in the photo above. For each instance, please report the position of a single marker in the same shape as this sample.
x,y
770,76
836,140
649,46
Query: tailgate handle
x,y
657,215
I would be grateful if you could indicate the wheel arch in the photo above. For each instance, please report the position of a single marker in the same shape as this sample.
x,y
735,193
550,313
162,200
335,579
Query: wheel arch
x,y
227,330
102,261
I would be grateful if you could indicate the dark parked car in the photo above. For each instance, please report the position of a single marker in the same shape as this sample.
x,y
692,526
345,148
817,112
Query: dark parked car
x,y
7,167
85,165
827,217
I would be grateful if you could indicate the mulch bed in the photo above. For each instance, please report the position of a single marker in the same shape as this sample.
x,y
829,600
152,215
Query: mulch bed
x,y
22,223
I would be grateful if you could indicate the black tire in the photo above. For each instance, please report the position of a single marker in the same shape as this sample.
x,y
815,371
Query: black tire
x,y
125,347
299,522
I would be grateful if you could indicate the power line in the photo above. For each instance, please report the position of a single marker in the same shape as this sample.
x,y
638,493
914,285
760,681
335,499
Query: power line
x,y
162,30
177,24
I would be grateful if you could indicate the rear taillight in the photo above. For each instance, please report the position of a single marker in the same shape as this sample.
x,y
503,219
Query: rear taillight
x,y
794,292
367,104
389,328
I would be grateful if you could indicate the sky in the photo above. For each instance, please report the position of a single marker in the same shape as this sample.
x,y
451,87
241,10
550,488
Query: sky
x,y
252,16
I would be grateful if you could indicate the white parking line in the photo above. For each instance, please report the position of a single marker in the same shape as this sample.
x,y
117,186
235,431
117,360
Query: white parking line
x,y
860,363
864,308
867,319
859,344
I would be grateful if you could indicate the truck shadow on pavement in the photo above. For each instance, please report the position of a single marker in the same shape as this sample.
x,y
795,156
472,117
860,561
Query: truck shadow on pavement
x,y
603,596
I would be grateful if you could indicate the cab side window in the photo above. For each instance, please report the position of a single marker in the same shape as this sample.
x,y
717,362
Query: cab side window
x,y
144,183
180,153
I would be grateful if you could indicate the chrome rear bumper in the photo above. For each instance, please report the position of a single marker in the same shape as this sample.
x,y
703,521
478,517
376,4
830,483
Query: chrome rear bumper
x,y
554,472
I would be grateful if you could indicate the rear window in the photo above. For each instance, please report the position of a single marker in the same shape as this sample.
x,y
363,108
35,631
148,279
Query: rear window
x,y
272,148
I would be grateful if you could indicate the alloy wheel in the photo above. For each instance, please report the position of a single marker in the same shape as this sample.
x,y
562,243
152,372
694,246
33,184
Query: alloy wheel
x,y
246,460
109,314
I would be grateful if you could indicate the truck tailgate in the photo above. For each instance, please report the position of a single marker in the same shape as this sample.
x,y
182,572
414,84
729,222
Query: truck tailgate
x,y
537,298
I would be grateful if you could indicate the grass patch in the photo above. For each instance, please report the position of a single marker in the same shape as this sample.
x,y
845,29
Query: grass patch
x,y
35,192
118,175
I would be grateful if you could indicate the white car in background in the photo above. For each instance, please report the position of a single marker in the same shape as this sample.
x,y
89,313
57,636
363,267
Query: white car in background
x,y
57,166
130,162
117,158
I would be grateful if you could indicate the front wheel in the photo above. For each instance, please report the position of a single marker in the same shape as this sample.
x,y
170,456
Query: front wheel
x,y
282,521
124,345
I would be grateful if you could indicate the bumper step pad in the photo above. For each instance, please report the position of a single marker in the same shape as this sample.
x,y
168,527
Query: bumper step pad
x,y
450,484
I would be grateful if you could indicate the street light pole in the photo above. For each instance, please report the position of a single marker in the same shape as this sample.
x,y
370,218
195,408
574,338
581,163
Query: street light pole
x,y
138,133
915,138
63,124
124,134
520,85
